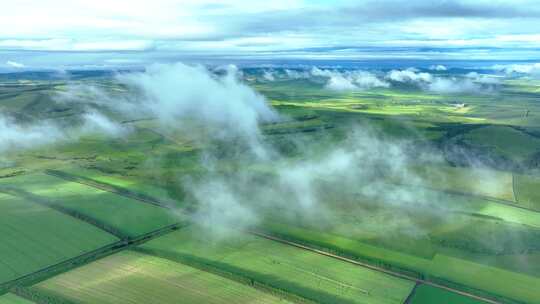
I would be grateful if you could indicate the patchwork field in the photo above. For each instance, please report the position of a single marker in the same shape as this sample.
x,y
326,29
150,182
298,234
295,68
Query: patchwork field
x,y
438,268
131,277
281,267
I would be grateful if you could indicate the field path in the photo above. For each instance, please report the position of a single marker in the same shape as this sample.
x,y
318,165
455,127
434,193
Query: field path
x,y
376,268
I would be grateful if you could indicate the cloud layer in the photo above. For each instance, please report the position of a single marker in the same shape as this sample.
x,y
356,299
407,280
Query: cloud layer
x,y
276,29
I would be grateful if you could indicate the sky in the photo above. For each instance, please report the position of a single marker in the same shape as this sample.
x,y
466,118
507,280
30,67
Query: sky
x,y
56,33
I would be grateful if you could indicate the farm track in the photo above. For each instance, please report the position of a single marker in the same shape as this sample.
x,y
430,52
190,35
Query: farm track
x,y
85,258
376,268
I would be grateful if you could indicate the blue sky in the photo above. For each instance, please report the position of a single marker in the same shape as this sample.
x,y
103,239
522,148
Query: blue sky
x,y
56,33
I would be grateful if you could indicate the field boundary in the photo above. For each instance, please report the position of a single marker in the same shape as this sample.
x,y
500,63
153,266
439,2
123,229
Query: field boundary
x,y
200,264
107,187
411,294
376,268
85,258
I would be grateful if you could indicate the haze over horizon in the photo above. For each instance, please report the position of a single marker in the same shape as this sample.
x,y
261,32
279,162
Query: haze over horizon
x,y
99,34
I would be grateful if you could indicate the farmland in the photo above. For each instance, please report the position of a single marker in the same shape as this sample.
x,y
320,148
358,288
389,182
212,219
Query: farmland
x,y
34,237
425,294
280,267
110,210
408,187
130,277
13,299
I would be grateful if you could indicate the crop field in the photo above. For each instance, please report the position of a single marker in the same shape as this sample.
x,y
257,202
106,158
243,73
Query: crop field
x,y
488,278
129,217
527,194
131,277
34,237
13,299
292,270
425,294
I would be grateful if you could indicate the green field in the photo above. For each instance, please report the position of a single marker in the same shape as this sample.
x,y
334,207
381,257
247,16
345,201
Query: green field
x,y
131,277
507,141
129,217
426,294
528,194
437,267
292,270
13,299
35,237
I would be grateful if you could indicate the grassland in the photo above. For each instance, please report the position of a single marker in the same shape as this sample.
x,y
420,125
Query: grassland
x,y
289,269
35,237
131,277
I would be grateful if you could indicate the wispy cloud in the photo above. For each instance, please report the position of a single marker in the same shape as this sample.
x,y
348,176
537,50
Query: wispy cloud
x,y
14,64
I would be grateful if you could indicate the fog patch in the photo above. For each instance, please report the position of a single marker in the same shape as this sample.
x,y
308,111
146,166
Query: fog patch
x,y
16,136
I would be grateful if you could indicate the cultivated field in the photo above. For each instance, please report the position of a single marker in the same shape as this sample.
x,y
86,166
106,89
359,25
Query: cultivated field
x,y
35,237
13,299
131,277
124,216
425,294
281,267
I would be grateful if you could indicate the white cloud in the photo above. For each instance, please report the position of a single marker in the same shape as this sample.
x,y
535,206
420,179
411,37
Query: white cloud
x,y
438,67
268,75
349,80
409,75
453,85
532,69
15,64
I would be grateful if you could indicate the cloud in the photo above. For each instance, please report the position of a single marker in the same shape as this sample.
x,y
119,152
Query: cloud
x,y
409,75
532,69
268,75
453,85
438,67
177,93
276,29
95,122
469,83
16,136
14,64
349,79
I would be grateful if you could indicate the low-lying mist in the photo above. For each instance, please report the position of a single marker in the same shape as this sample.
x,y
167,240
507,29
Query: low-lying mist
x,y
245,178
